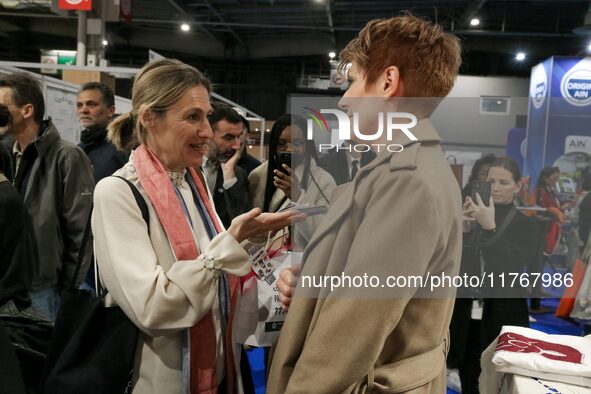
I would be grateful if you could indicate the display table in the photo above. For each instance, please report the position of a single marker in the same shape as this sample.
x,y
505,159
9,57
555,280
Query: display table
x,y
516,384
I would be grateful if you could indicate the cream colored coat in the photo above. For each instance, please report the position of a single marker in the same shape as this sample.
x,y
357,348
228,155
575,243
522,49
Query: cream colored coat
x,y
400,216
312,195
160,295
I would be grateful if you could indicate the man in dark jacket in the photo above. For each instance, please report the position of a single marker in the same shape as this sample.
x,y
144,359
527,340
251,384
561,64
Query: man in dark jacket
x,y
248,162
19,256
227,182
344,162
95,107
5,162
56,182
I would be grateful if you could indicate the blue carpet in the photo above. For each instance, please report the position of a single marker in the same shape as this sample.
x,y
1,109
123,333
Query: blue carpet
x,y
256,359
551,324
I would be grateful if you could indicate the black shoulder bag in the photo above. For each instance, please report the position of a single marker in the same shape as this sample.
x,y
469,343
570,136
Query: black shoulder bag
x,y
93,347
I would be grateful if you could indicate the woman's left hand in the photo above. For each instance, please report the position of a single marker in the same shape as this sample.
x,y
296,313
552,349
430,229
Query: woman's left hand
x,y
257,223
289,183
484,215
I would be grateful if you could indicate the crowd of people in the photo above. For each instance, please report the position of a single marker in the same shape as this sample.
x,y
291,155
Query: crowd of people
x,y
177,275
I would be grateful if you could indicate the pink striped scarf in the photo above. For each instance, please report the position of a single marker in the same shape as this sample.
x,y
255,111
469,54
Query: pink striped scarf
x,y
202,345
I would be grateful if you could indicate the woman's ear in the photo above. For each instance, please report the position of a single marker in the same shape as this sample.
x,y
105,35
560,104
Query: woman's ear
x,y
391,82
147,118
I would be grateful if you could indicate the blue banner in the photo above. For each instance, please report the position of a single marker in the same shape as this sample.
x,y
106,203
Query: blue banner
x,y
559,121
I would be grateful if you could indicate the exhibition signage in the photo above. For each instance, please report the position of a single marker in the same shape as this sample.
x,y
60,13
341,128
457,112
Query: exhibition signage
x,y
516,146
80,5
125,10
558,132
54,57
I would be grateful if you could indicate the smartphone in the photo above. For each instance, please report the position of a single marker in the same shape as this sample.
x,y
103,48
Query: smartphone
x,y
313,210
284,158
482,188
308,210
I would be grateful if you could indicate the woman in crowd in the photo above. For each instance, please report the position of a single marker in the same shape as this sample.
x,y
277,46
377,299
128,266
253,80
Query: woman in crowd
x,y
504,239
303,181
479,172
176,278
470,253
583,211
545,197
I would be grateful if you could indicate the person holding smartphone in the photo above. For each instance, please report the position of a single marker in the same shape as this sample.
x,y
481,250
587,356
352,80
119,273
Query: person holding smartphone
x,y
470,253
504,239
291,175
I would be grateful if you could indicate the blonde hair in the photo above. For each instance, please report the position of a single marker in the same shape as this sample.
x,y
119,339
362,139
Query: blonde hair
x,y
157,87
428,58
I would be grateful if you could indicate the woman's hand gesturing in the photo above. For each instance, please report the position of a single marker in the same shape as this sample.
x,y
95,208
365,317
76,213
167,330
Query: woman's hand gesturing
x,y
478,211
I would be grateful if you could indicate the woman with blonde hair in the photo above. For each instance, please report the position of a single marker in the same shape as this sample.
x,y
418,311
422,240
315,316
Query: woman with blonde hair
x,y
175,277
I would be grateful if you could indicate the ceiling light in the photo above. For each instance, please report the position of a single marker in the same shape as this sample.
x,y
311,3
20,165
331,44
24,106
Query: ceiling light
x,y
332,55
589,47
185,27
105,43
474,22
520,56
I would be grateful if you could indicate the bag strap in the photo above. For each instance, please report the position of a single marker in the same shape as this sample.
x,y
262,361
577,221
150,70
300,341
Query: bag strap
x,y
145,215
139,199
82,250
507,220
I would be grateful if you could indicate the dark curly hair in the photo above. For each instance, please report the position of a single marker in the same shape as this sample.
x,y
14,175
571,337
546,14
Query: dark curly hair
x,y
281,124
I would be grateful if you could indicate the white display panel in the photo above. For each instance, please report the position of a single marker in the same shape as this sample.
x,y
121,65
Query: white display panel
x,y
122,105
60,102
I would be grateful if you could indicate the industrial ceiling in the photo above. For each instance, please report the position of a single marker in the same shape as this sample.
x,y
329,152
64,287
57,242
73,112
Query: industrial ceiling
x,y
246,44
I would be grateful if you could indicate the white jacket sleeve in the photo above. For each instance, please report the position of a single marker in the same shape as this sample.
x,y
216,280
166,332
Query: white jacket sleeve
x,y
159,301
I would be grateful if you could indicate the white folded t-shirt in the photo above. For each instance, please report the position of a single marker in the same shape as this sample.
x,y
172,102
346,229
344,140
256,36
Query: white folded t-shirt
x,y
528,352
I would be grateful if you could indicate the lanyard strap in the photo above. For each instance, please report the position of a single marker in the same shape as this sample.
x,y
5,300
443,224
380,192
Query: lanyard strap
x,y
183,204
223,288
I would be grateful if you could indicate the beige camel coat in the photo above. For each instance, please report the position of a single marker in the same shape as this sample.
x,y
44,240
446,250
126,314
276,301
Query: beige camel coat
x,y
401,216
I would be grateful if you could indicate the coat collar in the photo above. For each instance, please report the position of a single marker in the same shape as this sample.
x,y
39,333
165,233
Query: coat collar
x,y
406,159
48,135
425,133
90,137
